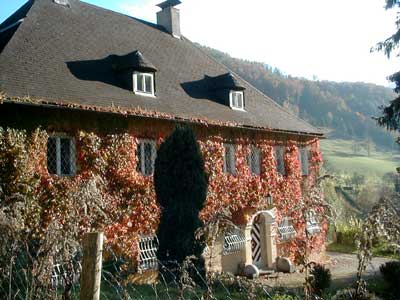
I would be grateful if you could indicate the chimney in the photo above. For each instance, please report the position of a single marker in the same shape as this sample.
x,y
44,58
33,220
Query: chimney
x,y
169,18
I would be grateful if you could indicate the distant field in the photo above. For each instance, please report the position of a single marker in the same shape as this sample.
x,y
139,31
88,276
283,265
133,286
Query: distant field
x,y
347,156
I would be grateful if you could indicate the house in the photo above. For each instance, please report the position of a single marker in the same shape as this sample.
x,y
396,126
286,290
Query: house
x,y
75,70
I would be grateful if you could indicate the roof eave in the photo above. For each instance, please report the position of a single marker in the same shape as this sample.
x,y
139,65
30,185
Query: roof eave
x,y
148,115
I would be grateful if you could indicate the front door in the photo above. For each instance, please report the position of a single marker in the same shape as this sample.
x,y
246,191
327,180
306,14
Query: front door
x,y
256,241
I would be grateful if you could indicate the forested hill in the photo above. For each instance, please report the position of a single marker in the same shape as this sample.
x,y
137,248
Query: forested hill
x,y
344,109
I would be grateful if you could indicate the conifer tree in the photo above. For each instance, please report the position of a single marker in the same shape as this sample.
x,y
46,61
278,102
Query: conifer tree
x,y
181,187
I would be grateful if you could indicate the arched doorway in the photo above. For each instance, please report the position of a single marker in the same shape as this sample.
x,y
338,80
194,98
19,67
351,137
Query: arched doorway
x,y
260,236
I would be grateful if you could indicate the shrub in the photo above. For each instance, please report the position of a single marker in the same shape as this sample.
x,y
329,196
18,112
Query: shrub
x,y
350,294
391,274
347,233
321,279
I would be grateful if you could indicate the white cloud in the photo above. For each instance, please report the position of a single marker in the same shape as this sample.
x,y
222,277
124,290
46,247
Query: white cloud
x,y
145,10
329,39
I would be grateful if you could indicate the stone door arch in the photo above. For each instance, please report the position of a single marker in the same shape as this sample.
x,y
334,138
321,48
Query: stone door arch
x,y
260,240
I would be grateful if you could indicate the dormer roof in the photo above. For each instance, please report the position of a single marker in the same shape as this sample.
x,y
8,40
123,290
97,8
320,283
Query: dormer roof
x,y
135,61
226,81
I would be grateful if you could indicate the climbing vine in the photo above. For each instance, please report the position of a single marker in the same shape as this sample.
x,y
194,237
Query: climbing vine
x,y
109,194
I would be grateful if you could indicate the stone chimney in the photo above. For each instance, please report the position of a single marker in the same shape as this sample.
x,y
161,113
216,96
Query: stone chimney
x,y
169,18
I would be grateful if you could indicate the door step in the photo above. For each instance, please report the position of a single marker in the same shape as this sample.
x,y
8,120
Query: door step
x,y
268,273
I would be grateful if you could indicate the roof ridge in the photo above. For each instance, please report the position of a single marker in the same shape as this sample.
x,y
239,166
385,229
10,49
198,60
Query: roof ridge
x,y
255,88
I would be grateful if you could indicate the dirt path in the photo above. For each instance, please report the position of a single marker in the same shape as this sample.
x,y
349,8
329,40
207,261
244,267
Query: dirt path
x,y
343,268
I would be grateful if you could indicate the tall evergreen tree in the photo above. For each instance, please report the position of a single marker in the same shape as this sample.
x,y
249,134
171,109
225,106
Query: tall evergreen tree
x,y
181,187
391,114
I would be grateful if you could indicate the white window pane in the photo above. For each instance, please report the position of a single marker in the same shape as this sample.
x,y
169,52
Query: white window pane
x,y
139,82
148,84
240,100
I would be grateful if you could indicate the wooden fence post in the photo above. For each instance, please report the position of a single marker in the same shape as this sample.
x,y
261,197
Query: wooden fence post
x,y
91,266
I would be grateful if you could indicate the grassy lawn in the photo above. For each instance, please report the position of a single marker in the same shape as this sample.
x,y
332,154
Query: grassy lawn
x,y
168,291
377,251
340,155
341,248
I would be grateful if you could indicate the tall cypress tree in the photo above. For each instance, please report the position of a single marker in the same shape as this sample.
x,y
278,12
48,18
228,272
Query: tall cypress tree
x,y
181,187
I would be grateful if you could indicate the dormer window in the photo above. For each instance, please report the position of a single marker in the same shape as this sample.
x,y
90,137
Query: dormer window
x,y
228,90
135,73
143,83
236,100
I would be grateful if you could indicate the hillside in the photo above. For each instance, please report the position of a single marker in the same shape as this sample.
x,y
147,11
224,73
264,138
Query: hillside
x,y
345,109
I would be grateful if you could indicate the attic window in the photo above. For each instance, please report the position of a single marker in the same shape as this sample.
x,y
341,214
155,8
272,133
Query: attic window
x,y
143,83
236,100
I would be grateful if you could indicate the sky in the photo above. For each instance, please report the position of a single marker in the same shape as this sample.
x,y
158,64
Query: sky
x,y
320,39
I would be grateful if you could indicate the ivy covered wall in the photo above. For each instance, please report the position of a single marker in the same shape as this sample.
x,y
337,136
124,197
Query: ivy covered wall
x,y
123,201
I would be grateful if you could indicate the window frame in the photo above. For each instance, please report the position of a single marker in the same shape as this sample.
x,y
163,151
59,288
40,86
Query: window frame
x,y
232,159
281,151
253,149
58,158
142,92
231,93
141,168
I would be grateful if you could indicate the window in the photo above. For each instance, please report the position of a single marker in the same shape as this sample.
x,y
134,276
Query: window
x,y
312,225
234,241
146,153
144,84
230,159
280,159
148,246
303,157
254,160
236,100
61,156
286,229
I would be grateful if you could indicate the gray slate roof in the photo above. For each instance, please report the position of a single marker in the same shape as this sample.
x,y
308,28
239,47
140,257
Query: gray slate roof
x,y
63,54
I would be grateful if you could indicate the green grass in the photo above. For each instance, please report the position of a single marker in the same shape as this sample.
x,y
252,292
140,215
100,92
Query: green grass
x,y
340,155
341,248
378,251
169,291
